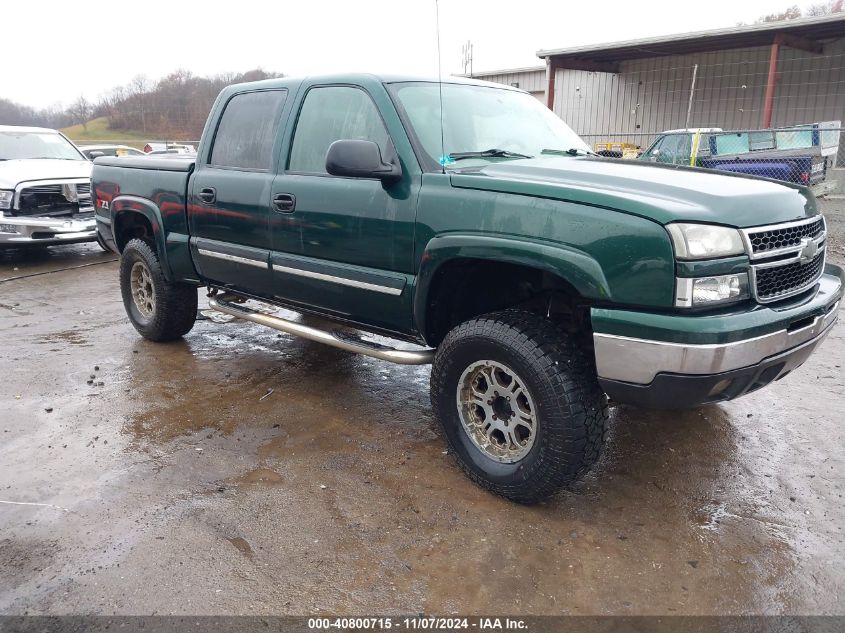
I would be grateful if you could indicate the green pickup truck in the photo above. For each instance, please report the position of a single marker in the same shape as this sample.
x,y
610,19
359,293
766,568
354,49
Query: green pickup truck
x,y
470,225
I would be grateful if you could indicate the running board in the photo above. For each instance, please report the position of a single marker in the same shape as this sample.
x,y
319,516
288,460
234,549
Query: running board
x,y
341,340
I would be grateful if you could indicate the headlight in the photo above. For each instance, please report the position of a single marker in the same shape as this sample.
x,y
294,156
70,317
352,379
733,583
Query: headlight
x,y
704,241
710,291
6,198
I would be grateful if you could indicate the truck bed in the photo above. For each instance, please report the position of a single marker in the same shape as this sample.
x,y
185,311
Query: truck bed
x,y
156,186
172,162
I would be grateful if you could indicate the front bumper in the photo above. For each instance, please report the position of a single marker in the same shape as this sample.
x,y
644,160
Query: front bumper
x,y
19,230
672,369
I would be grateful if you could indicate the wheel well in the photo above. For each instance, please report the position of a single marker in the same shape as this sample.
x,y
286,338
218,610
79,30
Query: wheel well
x,y
129,225
466,288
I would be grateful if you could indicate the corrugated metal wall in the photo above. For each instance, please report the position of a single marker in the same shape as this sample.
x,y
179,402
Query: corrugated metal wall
x,y
652,95
533,81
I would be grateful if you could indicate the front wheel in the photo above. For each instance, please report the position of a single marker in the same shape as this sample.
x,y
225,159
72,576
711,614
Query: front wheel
x,y
158,309
519,404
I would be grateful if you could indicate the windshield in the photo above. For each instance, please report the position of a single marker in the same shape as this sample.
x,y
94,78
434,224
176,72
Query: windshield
x,y
18,145
480,119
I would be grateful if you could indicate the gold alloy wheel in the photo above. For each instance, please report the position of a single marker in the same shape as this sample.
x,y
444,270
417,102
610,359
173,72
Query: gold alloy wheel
x,y
143,291
496,411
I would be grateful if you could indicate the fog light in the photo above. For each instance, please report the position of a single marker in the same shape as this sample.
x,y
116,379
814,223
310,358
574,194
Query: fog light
x,y
8,228
719,387
707,291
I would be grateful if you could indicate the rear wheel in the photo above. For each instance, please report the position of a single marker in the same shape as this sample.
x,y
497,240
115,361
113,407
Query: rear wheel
x,y
519,404
158,309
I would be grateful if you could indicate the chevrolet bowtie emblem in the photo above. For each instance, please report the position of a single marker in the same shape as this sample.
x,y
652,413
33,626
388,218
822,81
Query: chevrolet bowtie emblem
x,y
809,248
69,192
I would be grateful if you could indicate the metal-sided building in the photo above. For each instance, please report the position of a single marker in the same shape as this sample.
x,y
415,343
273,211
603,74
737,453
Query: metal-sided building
x,y
745,77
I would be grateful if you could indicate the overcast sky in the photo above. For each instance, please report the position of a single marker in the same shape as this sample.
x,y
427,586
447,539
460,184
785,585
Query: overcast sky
x,y
53,51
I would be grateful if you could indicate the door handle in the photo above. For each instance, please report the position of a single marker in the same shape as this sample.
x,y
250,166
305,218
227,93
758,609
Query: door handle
x,y
208,195
284,202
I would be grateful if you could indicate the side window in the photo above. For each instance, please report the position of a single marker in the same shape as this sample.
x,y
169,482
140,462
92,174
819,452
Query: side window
x,y
247,130
682,156
671,148
732,143
762,140
330,114
675,149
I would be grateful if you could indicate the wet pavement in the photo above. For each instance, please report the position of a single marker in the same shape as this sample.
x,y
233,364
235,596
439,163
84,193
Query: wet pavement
x,y
241,471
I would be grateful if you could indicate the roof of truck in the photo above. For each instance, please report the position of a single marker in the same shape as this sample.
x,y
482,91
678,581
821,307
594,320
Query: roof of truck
x,y
693,130
364,78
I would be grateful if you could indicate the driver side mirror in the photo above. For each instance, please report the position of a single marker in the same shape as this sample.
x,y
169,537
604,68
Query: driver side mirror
x,y
360,159
95,154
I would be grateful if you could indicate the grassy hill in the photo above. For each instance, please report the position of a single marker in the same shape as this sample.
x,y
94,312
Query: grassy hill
x,y
98,130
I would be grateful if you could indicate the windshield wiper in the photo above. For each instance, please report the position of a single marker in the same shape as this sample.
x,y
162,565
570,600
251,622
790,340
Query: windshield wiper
x,y
572,151
487,153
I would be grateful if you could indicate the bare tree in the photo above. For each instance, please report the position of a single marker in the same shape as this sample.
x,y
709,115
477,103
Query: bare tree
x,y
175,106
80,111
826,8
790,13
138,88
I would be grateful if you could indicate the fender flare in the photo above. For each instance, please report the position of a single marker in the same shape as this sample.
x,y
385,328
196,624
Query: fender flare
x,y
575,267
148,209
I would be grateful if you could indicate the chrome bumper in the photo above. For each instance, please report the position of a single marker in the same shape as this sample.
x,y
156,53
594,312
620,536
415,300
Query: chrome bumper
x,y
17,230
638,361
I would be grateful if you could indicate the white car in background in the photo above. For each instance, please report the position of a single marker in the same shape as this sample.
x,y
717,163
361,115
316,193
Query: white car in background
x,y
45,189
153,148
95,151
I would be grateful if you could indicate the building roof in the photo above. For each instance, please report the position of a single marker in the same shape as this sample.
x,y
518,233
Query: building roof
x,y
814,28
508,71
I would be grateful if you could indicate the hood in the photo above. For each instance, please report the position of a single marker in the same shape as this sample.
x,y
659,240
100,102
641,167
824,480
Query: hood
x,y
663,193
14,172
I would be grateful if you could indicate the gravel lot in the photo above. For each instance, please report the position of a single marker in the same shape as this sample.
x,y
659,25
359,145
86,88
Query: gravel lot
x,y
245,472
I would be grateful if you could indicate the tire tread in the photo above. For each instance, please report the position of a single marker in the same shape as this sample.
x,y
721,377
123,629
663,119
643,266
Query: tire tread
x,y
570,384
176,304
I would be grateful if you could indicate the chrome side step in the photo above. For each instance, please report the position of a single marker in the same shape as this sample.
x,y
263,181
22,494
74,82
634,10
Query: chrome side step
x,y
342,340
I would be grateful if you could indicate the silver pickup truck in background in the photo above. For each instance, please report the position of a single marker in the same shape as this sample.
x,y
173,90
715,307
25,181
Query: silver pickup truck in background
x,y
45,189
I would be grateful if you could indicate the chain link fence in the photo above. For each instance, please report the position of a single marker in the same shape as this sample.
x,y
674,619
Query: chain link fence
x,y
808,155
132,146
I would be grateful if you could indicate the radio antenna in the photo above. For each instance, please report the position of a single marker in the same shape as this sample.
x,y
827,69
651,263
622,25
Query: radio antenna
x,y
443,157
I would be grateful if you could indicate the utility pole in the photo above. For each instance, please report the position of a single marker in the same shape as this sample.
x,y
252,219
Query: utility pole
x,y
466,52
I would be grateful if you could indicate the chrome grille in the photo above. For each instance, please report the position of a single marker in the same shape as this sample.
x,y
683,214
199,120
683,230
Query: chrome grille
x,y
786,259
776,239
53,198
781,281
44,189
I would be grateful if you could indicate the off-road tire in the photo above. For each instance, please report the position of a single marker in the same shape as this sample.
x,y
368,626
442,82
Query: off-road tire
x,y
175,307
572,412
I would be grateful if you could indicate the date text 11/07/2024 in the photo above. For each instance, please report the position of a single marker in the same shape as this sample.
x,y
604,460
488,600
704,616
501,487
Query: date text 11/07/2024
x,y
418,623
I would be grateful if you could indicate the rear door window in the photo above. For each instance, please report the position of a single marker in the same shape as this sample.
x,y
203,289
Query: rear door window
x,y
247,130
